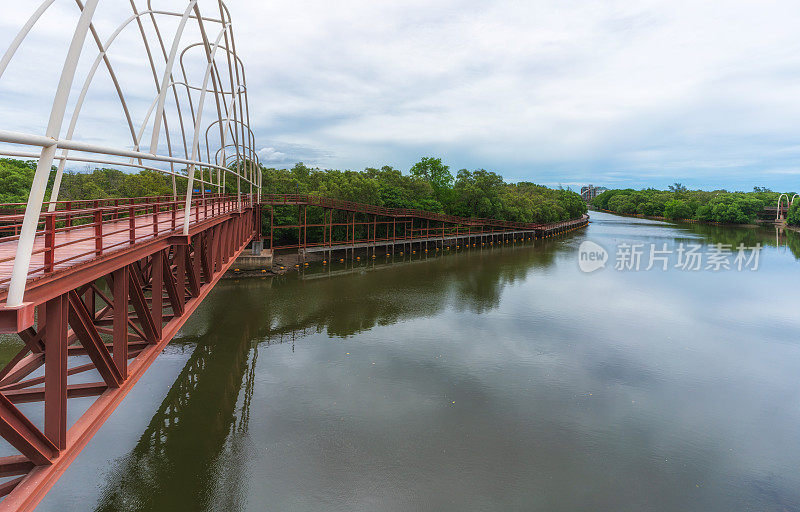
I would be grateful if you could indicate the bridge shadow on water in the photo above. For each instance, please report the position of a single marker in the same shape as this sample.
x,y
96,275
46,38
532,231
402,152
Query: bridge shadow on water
x,y
176,462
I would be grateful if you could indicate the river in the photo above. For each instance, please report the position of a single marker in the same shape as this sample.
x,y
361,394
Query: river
x,y
487,379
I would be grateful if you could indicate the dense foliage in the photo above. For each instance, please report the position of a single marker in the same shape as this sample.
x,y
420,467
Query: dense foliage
x,y
680,203
430,186
16,177
794,214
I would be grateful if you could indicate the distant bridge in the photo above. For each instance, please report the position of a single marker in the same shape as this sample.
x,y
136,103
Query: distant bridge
x,y
342,222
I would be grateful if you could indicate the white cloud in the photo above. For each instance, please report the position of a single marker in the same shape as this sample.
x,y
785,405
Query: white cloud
x,y
271,156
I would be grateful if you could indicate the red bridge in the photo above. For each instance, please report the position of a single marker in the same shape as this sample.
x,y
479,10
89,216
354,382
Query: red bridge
x,y
95,289
111,280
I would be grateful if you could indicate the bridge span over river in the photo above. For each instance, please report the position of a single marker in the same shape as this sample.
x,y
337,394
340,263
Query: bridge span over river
x,y
95,289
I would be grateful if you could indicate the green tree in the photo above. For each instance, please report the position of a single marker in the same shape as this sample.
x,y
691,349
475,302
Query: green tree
x,y
437,174
677,209
16,177
794,213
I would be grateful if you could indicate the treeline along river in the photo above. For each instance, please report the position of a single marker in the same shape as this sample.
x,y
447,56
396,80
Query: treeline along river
x,y
487,379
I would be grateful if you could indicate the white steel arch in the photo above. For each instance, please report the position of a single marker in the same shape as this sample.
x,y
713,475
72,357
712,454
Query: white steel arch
x,y
780,201
166,63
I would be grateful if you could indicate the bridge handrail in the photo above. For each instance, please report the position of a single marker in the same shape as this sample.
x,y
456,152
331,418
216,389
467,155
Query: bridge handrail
x,y
99,216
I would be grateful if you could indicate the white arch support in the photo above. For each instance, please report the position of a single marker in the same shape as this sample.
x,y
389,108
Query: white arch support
x,y
228,89
780,202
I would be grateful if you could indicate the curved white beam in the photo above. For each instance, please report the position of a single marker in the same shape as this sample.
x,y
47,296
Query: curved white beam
x,y
22,258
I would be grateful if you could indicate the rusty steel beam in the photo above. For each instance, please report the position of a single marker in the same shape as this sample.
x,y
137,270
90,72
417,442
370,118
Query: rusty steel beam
x,y
14,465
120,283
80,320
55,371
23,435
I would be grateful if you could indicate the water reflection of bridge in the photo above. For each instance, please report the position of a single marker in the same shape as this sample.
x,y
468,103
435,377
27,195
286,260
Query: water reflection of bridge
x,y
191,425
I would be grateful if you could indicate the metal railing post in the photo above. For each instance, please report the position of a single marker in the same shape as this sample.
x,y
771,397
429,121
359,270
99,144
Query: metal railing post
x,y
132,224
98,231
155,221
49,241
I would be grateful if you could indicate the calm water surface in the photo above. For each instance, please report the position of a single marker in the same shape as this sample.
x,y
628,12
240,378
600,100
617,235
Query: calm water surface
x,y
502,379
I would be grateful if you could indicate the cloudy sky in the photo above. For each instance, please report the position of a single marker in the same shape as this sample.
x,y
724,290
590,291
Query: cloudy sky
x,y
611,92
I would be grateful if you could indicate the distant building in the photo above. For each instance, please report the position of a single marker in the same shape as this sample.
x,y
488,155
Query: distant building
x,y
589,192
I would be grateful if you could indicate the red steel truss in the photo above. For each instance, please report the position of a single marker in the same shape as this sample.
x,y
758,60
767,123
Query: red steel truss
x,y
113,283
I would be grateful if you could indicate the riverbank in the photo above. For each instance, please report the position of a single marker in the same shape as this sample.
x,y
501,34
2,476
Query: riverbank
x,y
695,221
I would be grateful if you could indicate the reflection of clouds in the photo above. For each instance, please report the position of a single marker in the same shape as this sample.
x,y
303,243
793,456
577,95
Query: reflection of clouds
x,y
662,364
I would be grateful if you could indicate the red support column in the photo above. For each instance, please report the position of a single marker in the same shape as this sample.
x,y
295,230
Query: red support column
x,y
222,231
120,325
196,264
90,303
299,229
55,371
180,275
305,231
157,285
226,239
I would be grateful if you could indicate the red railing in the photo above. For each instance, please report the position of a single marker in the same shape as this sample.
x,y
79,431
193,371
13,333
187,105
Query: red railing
x,y
63,235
